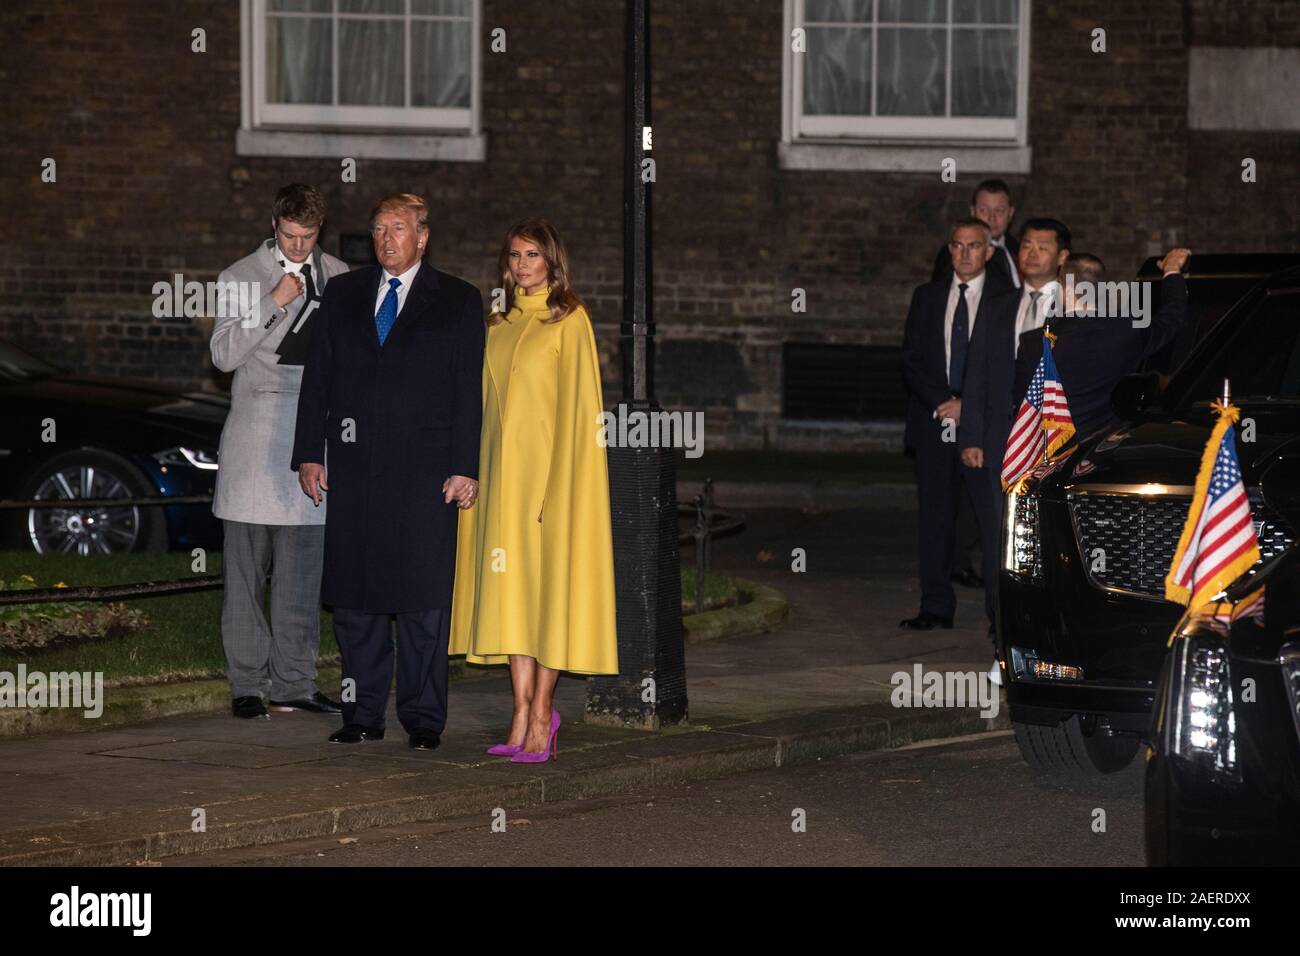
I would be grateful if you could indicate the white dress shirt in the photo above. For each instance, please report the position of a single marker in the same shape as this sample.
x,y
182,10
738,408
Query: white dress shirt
x,y
1001,245
407,278
289,266
1026,318
974,289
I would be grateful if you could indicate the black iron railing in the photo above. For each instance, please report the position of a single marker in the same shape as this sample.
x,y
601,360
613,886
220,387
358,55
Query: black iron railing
x,y
710,522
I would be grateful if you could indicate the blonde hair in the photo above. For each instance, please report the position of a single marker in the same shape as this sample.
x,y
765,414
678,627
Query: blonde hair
x,y
563,299
403,202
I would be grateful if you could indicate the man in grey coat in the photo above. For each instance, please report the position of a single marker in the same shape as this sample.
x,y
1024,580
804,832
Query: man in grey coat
x,y
266,305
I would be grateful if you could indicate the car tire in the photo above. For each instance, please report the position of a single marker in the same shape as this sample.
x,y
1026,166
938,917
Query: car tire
x,y
112,476
1074,748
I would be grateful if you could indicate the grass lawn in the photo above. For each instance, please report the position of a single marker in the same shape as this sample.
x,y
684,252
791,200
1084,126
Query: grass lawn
x,y
718,589
183,639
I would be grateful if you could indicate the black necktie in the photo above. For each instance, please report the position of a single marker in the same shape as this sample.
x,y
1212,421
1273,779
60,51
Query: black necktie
x,y
959,342
293,347
308,286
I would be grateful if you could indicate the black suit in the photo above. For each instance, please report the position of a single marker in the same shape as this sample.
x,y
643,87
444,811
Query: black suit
x,y
986,420
940,479
1093,353
997,280
391,424
999,272
990,376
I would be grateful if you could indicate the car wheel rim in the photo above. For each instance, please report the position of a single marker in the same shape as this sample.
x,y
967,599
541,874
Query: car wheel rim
x,y
80,530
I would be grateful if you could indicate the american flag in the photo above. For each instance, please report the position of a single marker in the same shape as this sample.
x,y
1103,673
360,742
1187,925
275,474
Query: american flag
x,y
1043,420
1251,606
1218,543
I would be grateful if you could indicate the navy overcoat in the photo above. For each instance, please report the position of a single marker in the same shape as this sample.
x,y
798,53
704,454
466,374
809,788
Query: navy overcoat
x,y
390,425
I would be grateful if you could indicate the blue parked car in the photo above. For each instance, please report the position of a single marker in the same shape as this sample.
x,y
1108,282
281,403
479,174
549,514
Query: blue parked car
x,y
70,437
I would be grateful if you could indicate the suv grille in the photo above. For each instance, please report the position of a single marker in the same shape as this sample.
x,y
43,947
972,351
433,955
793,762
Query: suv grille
x,y
1127,541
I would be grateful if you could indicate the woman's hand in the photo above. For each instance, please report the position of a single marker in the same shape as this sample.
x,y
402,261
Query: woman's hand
x,y
462,490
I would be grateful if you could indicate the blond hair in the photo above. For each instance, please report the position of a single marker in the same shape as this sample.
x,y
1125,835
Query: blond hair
x,y
403,202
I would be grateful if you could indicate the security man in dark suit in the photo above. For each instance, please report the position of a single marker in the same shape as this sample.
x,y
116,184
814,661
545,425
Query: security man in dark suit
x,y
990,203
990,377
936,343
1093,349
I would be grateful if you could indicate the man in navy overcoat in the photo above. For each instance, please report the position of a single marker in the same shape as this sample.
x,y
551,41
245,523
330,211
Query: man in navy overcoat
x,y
388,425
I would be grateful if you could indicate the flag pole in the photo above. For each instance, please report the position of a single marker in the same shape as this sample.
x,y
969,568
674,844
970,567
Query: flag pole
x,y
1047,337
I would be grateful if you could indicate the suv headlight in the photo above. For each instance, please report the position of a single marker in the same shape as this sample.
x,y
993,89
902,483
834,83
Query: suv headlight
x,y
1022,554
194,457
1202,725
1289,660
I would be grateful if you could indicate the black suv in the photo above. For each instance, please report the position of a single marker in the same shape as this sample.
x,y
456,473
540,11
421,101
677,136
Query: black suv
x,y
1082,620
1223,764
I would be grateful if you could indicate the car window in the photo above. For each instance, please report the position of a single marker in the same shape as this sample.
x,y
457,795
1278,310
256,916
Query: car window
x,y
1208,300
17,366
1260,356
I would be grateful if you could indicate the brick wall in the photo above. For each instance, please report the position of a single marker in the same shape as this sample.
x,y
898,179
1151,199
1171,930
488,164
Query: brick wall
x,y
1226,212
149,184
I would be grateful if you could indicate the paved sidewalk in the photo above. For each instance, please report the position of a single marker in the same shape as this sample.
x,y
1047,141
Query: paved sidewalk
x,y
819,685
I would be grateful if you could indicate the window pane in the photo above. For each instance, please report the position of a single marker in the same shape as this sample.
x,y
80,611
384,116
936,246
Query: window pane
x,y
371,63
911,74
298,67
440,52
371,6
984,72
837,71
985,11
837,11
300,6
913,11
441,8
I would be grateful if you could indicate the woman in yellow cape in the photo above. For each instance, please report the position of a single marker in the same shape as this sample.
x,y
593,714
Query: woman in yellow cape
x,y
534,555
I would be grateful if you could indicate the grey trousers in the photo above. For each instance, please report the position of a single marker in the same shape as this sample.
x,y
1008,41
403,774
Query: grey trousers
x,y
273,658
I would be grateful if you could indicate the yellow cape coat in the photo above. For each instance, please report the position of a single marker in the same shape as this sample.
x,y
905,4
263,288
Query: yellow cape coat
x,y
542,588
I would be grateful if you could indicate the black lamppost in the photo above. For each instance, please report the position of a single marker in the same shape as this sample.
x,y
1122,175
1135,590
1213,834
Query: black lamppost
x,y
650,688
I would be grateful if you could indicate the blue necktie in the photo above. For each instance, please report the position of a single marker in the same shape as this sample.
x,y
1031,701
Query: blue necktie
x,y
960,342
387,313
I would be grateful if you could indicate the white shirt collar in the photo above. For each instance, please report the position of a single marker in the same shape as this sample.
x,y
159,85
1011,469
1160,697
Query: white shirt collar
x,y
1050,289
286,263
974,285
407,277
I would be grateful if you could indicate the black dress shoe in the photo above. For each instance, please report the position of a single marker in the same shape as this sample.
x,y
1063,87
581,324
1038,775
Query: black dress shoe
x,y
355,733
317,703
425,740
967,578
925,621
248,707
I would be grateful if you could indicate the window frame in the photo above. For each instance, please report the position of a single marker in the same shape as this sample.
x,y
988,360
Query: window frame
x,y
900,131
258,116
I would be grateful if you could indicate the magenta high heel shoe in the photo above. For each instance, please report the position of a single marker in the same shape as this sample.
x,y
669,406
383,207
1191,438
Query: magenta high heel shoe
x,y
523,756
509,750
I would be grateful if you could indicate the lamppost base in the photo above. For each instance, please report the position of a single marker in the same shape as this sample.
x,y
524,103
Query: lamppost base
x,y
650,689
